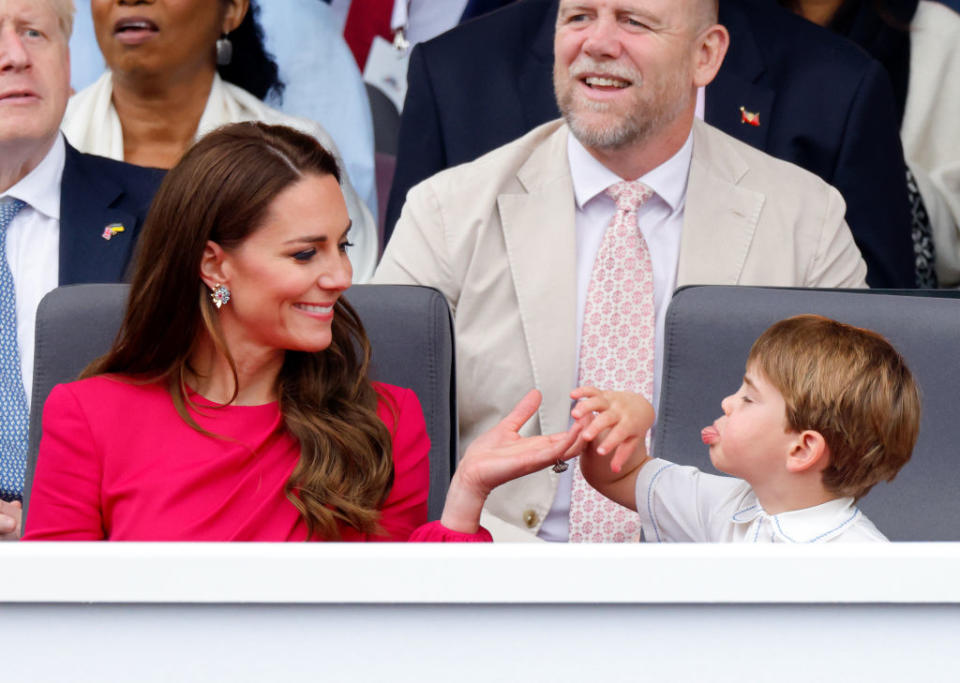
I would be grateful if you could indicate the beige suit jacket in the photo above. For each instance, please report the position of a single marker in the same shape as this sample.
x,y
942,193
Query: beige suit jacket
x,y
496,236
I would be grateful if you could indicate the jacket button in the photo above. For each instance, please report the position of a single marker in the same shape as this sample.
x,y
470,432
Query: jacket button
x,y
530,518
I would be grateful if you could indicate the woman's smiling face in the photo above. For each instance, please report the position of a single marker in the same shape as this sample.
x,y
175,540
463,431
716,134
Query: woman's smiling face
x,y
286,276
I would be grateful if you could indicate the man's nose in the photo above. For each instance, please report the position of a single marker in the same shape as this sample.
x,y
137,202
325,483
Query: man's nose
x,y
13,53
603,39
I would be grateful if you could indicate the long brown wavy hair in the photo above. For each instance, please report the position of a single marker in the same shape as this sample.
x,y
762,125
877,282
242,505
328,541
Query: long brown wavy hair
x,y
220,191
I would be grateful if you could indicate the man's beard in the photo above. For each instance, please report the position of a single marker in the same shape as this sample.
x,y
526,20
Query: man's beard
x,y
650,113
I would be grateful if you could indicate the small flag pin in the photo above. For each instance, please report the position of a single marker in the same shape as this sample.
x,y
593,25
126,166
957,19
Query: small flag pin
x,y
751,117
111,230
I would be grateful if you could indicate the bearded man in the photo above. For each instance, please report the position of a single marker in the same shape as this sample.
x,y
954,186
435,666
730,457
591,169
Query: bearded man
x,y
559,252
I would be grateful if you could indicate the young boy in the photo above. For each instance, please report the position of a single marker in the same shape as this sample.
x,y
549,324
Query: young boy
x,y
825,411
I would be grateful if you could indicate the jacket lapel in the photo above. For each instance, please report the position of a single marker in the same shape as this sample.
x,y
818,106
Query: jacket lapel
x,y
87,201
737,84
539,231
719,216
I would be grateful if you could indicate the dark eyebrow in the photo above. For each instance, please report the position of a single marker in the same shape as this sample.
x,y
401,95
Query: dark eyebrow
x,y
310,239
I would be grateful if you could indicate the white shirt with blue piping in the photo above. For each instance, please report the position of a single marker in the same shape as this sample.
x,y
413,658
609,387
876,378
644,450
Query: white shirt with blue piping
x,y
682,504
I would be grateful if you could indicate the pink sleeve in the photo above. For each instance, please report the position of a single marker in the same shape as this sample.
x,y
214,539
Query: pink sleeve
x,y
65,496
435,532
405,511
406,507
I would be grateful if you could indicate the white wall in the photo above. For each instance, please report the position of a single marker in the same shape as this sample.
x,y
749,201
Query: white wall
x,y
124,612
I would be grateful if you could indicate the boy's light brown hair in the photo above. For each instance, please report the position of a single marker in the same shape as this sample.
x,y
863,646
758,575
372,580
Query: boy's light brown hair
x,y
850,385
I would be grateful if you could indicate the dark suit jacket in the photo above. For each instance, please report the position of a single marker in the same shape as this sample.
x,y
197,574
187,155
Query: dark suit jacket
x,y
823,104
94,193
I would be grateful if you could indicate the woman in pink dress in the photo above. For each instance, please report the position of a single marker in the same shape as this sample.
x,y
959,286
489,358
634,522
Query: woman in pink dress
x,y
235,403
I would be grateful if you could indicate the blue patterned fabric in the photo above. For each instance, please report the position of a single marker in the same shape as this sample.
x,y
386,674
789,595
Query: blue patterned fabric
x,y
13,400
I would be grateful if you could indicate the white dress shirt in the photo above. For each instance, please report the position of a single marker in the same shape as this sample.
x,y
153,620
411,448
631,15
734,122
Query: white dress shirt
x,y
425,19
678,503
660,221
33,248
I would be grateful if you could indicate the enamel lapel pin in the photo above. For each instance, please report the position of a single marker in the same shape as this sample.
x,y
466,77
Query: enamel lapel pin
x,y
111,230
751,117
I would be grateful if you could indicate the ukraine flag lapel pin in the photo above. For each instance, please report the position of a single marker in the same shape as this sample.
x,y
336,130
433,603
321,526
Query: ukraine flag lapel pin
x,y
111,230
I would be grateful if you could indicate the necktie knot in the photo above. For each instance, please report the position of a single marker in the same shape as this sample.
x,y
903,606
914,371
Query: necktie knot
x,y
629,195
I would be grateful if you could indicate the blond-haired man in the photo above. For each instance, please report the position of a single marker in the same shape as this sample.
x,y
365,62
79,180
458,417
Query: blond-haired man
x,y
66,217
512,238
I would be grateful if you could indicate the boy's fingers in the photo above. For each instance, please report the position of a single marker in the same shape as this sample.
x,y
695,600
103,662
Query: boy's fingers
x,y
584,391
613,438
600,422
596,404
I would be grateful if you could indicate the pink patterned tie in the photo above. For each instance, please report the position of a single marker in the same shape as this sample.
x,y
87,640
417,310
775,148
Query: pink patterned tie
x,y
616,349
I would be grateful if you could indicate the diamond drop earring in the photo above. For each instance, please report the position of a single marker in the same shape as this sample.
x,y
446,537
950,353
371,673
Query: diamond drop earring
x,y
220,295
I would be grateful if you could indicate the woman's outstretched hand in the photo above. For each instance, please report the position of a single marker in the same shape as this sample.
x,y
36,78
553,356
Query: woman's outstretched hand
x,y
496,457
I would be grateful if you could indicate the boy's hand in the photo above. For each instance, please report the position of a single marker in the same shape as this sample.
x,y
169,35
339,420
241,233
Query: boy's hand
x,y
620,421
615,425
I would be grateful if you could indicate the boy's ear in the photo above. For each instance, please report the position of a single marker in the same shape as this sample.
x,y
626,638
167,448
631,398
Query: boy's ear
x,y
809,453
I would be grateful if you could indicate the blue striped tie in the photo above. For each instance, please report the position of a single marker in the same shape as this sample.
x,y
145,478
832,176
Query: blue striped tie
x,y
14,416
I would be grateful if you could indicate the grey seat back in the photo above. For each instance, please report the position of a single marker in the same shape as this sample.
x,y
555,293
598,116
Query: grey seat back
x,y
708,334
386,121
410,330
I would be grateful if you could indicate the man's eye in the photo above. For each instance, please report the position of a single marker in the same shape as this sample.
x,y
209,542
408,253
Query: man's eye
x,y
305,255
32,33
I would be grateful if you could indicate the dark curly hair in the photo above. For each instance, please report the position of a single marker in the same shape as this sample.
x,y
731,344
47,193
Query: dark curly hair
x,y
252,67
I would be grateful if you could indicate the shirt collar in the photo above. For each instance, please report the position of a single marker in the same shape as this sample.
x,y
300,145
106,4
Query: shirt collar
x,y
590,177
808,525
40,188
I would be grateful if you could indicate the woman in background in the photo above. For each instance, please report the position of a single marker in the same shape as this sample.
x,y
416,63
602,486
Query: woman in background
x,y
235,403
918,42
177,70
